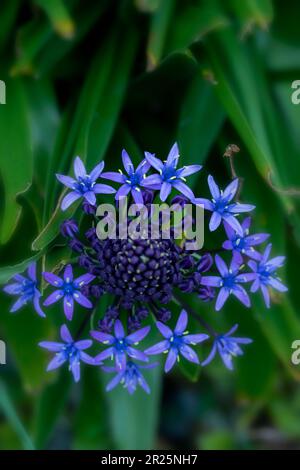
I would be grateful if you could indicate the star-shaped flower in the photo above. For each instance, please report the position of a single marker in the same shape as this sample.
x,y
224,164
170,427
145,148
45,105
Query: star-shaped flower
x,y
120,345
228,347
243,245
222,206
130,377
84,185
132,182
68,289
265,274
177,342
229,282
26,288
69,351
169,176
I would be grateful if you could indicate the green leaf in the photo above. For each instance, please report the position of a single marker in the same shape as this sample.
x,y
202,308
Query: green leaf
x,y
252,12
16,159
59,17
91,429
49,407
134,418
191,21
200,121
161,21
9,411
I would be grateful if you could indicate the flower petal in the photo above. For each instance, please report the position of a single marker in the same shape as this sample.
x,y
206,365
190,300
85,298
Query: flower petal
x,y
90,197
82,300
165,191
138,335
127,163
54,297
114,176
154,162
181,323
221,265
65,334
189,354
69,199
190,170
96,172
171,359
119,330
102,337
158,348
164,329
213,187
230,190
79,168
195,339
66,181
83,280
215,221
53,279
51,346
69,307
83,344
103,189
221,299
56,362
183,189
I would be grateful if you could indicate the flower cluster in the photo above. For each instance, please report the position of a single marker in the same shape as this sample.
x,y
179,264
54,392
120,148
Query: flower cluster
x,y
148,277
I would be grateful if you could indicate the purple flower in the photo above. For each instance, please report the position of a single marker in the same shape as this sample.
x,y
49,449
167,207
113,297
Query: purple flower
x,y
132,182
265,274
177,342
228,347
68,289
68,351
120,345
243,245
84,185
26,289
229,282
69,228
169,176
130,377
222,207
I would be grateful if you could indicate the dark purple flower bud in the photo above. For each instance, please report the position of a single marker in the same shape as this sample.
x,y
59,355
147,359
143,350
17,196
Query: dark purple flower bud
x,y
187,285
133,323
69,228
142,313
127,303
91,234
88,208
148,196
106,325
206,293
197,278
112,313
163,314
76,245
205,263
187,262
84,261
96,291
180,199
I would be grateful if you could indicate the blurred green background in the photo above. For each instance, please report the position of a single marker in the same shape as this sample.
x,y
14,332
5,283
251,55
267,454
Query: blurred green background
x,y
89,78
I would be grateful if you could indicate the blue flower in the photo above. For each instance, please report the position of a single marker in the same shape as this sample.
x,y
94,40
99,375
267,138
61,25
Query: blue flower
x,y
120,345
68,351
130,377
243,245
26,289
132,182
84,185
68,289
228,347
169,176
229,282
265,274
222,207
177,342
